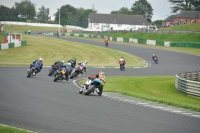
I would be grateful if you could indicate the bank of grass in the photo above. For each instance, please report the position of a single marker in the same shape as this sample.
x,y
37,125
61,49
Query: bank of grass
x,y
151,88
189,37
22,28
194,51
183,27
53,49
8,129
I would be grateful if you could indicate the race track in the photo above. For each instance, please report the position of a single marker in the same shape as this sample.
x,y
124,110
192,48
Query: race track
x,y
41,105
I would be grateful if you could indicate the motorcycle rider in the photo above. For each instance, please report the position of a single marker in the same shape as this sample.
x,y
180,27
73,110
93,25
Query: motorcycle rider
x,y
58,64
122,61
37,64
58,34
68,69
101,77
106,40
154,56
73,62
82,66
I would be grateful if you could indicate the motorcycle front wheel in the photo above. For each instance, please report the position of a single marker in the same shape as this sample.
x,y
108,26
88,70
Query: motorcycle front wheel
x,y
58,77
93,87
30,72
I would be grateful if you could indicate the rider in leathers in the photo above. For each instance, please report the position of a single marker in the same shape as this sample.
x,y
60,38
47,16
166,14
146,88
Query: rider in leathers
x,y
37,64
82,67
68,69
73,62
102,78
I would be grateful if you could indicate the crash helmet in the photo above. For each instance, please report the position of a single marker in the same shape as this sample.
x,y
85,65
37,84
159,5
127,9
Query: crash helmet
x,y
63,61
101,72
41,58
69,63
85,62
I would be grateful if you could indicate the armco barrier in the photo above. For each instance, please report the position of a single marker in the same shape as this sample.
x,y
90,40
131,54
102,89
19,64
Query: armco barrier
x,y
186,82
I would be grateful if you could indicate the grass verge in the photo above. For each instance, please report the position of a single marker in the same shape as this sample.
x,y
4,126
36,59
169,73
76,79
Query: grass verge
x,y
150,88
53,49
194,51
8,129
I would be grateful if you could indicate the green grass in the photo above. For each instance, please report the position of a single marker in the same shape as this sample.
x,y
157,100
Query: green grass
x,y
2,37
184,27
8,129
195,51
190,37
53,49
150,88
22,28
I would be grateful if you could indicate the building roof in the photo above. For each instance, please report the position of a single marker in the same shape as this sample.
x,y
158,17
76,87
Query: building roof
x,y
170,18
118,19
189,14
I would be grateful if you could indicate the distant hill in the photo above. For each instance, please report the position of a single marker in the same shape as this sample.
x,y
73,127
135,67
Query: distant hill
x,y
184,27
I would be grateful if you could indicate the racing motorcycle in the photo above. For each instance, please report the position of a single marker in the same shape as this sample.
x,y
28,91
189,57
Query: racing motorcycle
x,y
52,70
156,60
75,73
32,72
106,42
60,74
122,67
91,86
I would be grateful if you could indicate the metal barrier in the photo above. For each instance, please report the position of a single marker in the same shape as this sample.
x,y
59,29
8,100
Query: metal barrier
x,y
187,82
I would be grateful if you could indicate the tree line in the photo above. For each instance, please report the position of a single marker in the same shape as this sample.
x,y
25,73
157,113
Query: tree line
x,y
25,11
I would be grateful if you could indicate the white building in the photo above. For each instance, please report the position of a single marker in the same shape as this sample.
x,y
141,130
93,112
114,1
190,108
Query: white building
x,y
104,22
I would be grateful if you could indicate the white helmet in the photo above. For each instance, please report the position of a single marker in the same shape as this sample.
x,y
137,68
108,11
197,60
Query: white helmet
x,y
101,72
41,58
63,61
85,62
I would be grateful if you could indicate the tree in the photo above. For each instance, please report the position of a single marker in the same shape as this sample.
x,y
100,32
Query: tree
x,y
158,23
123,10
184,5
25,7
43,15
142,7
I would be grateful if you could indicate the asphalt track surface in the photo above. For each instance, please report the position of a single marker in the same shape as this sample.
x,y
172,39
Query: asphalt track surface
x,y
41,105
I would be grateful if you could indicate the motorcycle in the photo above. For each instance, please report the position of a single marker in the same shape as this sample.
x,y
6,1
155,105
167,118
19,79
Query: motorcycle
x,y
106,43
75,73
60,74
52,70
122,67
156,60
92,85
32,72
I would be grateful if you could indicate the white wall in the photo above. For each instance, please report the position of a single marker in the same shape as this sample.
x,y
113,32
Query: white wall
x,y
105,27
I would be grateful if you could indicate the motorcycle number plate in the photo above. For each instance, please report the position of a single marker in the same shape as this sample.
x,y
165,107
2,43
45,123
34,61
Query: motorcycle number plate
x,y
63,71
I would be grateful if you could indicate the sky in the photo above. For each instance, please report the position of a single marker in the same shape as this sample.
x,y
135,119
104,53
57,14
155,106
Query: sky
x,y
161,8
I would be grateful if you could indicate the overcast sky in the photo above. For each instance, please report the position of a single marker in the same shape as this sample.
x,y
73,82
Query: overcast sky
x,y
161,7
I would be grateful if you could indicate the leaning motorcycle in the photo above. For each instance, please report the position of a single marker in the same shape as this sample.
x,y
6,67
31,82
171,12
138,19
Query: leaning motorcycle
x,y
93,85
156,60
75,73
53,70
31,72
60,74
